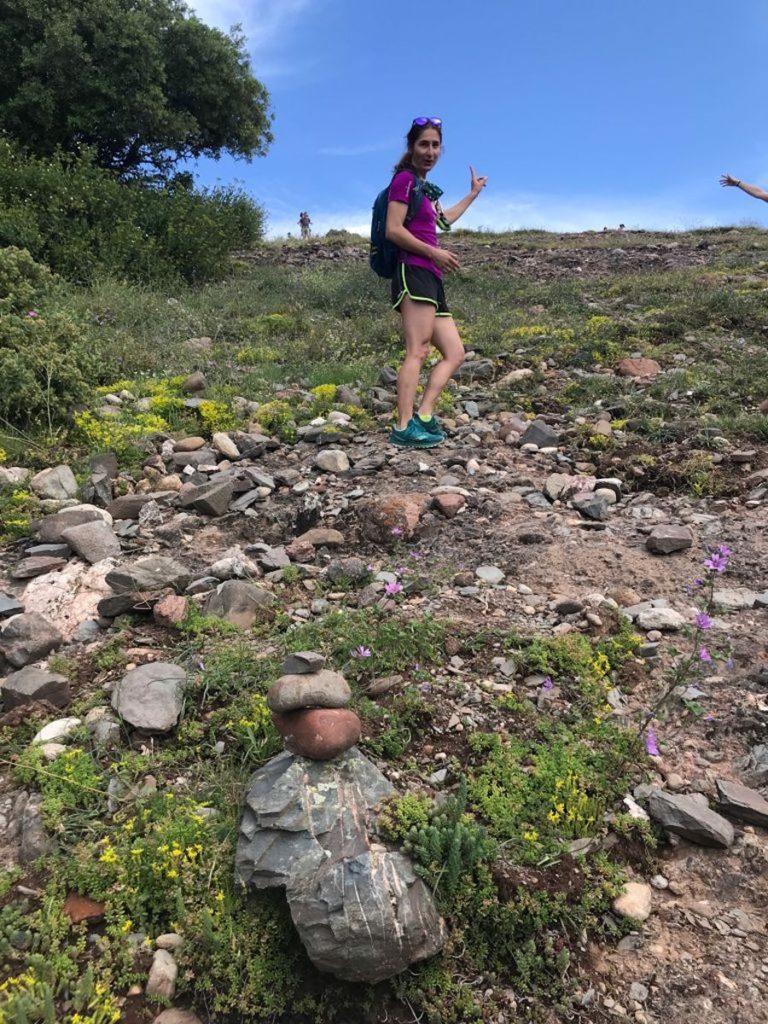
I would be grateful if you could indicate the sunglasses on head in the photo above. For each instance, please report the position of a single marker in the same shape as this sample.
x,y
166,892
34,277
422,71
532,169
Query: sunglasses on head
x,y
421,121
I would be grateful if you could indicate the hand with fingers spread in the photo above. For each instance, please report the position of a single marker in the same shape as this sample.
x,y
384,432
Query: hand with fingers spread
x,y
752,190
479,181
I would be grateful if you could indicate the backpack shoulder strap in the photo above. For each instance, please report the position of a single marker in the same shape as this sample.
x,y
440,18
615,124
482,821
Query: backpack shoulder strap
x,y
415,198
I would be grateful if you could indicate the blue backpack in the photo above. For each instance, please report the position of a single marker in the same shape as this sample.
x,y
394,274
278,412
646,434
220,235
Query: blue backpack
x,y
383,254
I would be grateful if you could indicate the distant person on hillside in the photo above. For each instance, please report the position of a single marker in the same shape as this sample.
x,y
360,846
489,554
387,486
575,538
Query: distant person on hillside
x,y
752,190
305,224
417,286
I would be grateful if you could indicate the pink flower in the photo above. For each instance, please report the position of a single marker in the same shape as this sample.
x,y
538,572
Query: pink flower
x,y
33,313
704,654
650,743
393,588
703,621
397,531
362,652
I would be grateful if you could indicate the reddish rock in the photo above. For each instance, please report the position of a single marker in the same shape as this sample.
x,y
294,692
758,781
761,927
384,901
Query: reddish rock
x,y
189,444
300,551
449,504
392,518
638,368
81,908
170,611
320,733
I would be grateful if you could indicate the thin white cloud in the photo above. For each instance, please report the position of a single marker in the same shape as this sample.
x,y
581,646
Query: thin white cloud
x,y
265,22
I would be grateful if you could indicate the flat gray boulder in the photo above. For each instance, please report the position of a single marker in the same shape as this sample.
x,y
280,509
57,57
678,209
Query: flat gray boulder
x,y
741,802
149,574
151,697
52,527
690,818
93,541
30,684
58,483
663,540
360,911
28,637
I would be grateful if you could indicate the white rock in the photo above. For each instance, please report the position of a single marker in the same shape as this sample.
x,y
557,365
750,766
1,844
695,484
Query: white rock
x,y
660,618
634,902
57,730
69,597
162,975
223,443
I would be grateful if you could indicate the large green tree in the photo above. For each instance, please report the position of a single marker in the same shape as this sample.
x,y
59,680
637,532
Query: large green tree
x,y
144,83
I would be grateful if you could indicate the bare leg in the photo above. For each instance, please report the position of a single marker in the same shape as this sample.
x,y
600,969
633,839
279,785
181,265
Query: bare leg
x,y
445,338
419,326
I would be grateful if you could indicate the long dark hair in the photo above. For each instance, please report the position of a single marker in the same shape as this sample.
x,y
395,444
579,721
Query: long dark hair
x,y
405,163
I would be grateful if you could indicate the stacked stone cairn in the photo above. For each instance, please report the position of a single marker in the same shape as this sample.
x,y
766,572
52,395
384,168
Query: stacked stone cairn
x,y
309,708
309,824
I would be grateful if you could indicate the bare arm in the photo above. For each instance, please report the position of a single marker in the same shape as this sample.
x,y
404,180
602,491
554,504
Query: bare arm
x,y
751,190
399,235
453,213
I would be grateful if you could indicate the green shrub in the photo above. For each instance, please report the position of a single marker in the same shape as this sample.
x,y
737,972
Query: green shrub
x,y
85,223
48,364
23,282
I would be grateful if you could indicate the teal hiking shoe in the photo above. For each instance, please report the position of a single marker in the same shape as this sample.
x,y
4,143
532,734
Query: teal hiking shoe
x,y
431,426
414,436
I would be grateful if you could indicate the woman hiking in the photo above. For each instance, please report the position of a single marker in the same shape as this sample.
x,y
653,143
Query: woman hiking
x,y
417,286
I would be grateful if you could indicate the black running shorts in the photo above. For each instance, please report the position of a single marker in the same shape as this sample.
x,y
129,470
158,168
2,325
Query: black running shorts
x,y
421,285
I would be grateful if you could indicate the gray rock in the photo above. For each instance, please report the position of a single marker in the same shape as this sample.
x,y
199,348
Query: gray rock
x,y
540,434
665,539
98,489
149,574
35,841
9,605
239,602
212,498
194,382
174,1016
489,574
302,662
736,600
352,570
201,457
162,975
128,506
332,460
742,803
475,369
592,506
54,550
57,483
359,909
324,689
30,684
224,444
151,697
37,565
754,767
561,485
28,637
693,820
666,619
92,541
269,558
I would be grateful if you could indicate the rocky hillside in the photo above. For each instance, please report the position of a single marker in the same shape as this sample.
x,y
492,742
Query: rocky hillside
x,y
551,631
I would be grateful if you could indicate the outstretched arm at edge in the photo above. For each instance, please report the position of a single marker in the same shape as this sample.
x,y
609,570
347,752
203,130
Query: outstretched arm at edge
x,y
751,190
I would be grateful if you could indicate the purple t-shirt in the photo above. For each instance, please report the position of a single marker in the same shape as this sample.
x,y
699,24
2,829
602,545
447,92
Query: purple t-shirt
x,y
423,225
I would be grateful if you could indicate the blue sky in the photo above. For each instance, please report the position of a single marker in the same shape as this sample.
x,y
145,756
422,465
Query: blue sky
x,y
582,114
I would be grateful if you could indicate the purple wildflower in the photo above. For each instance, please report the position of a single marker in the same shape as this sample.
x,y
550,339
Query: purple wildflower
x,y
361,652
709,718
703,621
33,314
393,588
397,531
414,555
400,570
650,743
704,654
730,663
718,560
547,684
